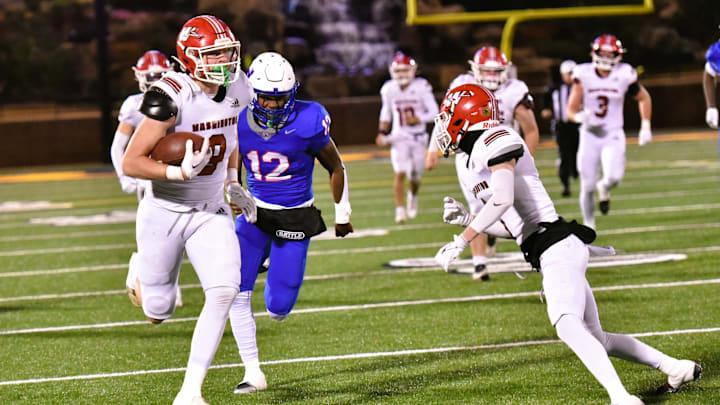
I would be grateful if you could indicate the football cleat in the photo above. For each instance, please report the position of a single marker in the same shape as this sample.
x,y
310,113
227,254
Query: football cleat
x,y
603,198
250,384
685,372
631,400
481,273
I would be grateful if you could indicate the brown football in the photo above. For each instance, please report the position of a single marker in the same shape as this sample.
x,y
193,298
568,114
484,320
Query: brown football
x,y
171,148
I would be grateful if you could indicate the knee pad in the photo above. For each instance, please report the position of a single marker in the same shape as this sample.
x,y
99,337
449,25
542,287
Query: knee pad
x,y
158,306
221,296
277,317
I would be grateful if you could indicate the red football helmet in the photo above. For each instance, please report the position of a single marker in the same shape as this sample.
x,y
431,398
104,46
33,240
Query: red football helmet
x,y
208,51
402,69
490,67
150,68
611,49
465,108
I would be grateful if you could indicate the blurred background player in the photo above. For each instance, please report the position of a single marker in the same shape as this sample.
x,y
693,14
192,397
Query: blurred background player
x,y
468,120
151,66
564,131
710,78
490,68
408,104
280,138
187,209
596,103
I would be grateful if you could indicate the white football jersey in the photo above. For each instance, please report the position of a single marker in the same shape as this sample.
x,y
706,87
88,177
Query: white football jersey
x,y
200,114
603,97
129,112
532,201
416,99
509,95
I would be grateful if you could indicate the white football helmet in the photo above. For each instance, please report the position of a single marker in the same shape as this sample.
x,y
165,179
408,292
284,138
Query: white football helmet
x,y
271,75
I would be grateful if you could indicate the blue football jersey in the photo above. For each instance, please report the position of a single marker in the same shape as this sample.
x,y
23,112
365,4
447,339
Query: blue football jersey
x,y
713,56
280,163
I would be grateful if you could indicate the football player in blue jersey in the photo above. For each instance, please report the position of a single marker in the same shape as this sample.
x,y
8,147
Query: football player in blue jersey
x,y
710,79
280,138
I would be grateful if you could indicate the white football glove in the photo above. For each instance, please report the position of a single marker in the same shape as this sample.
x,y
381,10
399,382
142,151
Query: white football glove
x,y
580,117
711,117
128,184
454,212
451,251
645,134
243,199
193,162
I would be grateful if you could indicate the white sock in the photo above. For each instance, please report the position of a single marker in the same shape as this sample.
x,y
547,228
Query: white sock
x,y
399,211
243,326
572,331
206,337
478,260
587,208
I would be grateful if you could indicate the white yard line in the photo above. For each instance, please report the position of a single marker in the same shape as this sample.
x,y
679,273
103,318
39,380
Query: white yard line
x,y
370,306
340,357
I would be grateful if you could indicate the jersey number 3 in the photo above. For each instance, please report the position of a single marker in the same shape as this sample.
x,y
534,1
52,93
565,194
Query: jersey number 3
x,y
267,157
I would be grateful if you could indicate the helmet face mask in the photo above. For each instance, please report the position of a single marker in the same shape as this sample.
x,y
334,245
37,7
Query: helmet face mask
x,y
150,67
606,52
465,108
402,69
208,51
273,80
490,67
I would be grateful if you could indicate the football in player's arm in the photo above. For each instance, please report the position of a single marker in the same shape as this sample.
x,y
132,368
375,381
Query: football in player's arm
x,y
280,138
558,249
187,210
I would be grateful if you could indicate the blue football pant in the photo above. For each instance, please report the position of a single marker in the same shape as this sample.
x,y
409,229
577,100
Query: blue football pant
x,y
287,265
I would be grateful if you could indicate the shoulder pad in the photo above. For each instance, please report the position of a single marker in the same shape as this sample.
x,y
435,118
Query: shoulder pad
x,y
158,105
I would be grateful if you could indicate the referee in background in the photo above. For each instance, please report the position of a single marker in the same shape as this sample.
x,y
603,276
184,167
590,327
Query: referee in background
x,y
564,131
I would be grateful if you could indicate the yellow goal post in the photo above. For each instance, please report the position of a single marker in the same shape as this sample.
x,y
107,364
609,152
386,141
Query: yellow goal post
x,y
513,17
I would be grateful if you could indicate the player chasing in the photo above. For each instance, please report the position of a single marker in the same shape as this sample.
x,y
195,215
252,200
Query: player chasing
x,y
469,122
151,67
280,138
408,104
596,103
187,209
490,68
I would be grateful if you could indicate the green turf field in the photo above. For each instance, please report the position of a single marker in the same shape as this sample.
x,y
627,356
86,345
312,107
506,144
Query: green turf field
x,y
363,333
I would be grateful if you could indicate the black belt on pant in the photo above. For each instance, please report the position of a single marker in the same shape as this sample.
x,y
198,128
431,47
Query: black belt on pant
x,y
551,233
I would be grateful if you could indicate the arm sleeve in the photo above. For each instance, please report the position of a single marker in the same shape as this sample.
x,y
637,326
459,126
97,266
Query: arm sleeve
x,y
385,112
117,150
502,184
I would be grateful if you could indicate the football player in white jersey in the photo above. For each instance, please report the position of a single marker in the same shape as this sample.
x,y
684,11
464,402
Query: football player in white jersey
x,y
469,121
408,104
151,66
490,68
187,209
596,103
710,79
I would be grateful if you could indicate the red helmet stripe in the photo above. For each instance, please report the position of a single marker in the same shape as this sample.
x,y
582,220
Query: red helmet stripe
x,y
216,26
